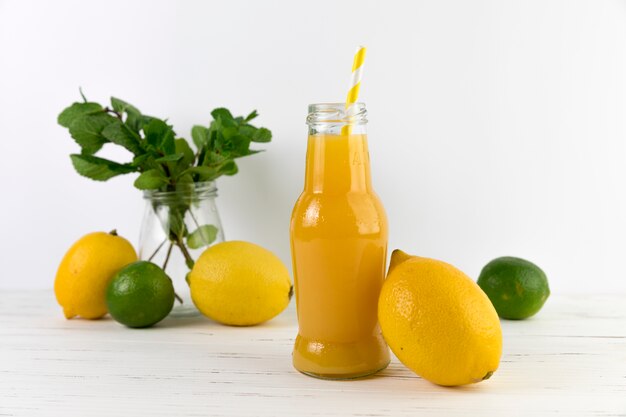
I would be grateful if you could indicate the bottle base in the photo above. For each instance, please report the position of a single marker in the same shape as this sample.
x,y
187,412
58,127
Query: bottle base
x,y
338,361
342,377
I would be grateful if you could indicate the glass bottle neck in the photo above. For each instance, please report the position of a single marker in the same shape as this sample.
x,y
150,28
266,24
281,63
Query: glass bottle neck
x,y
337,163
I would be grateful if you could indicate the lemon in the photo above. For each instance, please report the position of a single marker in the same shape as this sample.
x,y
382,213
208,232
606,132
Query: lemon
x,y
85,271
239,284
517,288
140,295
438,322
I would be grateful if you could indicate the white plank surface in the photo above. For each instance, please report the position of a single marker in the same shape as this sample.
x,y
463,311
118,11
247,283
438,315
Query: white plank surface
x,y
569,360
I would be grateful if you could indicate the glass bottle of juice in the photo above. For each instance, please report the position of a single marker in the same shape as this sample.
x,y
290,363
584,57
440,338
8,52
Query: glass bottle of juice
x,y
338,246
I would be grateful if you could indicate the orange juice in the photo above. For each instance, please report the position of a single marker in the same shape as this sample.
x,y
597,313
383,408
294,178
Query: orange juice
x,y
339,244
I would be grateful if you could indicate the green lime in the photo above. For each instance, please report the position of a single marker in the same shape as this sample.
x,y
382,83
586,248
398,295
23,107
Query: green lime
x,y
516,287
140,295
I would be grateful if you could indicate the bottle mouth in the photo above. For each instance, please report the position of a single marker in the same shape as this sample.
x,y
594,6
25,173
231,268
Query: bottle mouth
x,y
336,114
189,192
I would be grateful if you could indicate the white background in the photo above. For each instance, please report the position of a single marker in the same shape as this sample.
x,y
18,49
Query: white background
x,y
496,127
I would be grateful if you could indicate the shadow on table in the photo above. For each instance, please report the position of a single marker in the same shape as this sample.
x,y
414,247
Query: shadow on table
x,y
406,380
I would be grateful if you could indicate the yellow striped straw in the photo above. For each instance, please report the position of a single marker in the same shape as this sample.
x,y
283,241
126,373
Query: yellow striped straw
x,y
355,84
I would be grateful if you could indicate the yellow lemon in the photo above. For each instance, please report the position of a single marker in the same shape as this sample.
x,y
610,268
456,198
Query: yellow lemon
x,y
86,270
239,284
438,322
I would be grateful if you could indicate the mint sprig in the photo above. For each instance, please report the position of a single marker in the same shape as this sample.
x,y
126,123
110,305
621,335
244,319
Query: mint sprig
x,y
162,159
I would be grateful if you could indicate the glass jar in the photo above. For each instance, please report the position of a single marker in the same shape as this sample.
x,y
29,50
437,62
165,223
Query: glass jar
x,y
177,227
339,249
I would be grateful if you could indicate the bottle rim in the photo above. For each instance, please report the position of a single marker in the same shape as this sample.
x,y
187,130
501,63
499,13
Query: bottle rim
x,y
336,114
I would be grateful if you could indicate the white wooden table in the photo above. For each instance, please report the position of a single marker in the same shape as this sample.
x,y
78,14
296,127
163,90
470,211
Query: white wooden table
x,y
569,360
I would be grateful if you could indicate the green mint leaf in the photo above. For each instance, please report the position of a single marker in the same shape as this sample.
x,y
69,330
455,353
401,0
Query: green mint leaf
x,y
118,105
213,166
247,130
204,173
136,121
223,118
140,160
122,135
229,132
217,141
76,111
200,136
146,162
183,147
215,125
168,146
160,135
154,132
229,168
170,158
262,135
241,145
184,182
150,180
121,106
87,131
212,158
251,116
186,185
99,169
202,236
222,113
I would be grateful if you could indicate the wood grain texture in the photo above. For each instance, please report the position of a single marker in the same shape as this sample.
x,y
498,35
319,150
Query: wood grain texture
x,y
569,360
